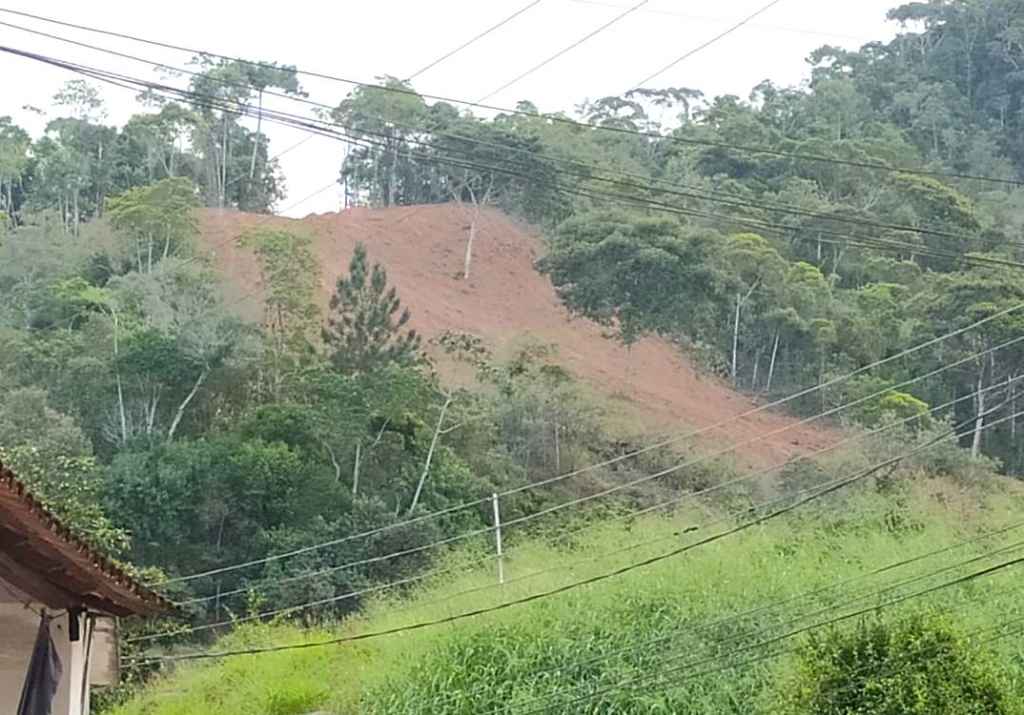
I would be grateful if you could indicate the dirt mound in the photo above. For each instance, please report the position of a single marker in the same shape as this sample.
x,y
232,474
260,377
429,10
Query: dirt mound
x,y
504,300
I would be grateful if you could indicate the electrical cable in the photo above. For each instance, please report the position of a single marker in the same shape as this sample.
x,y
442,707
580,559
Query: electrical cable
x,y
564,50
870,594
715,198
629,514
690,53
636,682
555,118
299,122
475,38
724,20
646,645
680,465
954,432
504,493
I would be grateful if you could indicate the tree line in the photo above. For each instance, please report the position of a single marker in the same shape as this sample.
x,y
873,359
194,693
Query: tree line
x,y
782,239
757,234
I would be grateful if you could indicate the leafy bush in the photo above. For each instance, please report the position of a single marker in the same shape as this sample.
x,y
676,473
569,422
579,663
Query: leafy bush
x,y
916,665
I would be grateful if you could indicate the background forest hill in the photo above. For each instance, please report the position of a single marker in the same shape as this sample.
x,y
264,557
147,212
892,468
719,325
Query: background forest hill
x,y
770,238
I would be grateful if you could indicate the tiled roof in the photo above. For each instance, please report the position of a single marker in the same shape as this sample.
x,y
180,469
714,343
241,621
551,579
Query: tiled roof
x,y
44,559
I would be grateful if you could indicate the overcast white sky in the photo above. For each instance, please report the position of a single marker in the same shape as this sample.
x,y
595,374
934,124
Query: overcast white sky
x,y
361,40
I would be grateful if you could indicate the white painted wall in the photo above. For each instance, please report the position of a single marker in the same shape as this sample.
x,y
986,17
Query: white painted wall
x,y
18,628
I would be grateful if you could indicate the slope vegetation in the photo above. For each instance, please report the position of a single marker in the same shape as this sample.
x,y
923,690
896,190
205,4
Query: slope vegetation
x,y
652,385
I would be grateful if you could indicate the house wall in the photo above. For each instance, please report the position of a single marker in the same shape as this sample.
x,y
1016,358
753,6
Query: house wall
x,y
18,628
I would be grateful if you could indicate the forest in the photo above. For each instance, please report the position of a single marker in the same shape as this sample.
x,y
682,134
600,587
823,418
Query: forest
x,y
780,241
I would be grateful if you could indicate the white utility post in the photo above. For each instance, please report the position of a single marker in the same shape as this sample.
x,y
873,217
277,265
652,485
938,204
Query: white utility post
x,y
497,537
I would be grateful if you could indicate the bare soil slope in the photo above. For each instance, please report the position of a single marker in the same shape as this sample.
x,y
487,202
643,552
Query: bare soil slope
x,y
504,300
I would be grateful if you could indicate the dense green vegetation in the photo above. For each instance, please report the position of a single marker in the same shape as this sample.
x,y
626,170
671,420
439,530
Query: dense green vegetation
x,y
675,615
781,240
786,238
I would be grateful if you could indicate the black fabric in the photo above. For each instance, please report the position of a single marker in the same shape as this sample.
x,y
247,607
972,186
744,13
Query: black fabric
x,y
43,676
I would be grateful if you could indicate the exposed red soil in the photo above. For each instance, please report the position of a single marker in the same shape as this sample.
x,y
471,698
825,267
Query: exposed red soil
x,y
506,299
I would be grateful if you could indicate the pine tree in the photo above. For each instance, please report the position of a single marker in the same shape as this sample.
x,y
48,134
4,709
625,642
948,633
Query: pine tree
x,y
366,326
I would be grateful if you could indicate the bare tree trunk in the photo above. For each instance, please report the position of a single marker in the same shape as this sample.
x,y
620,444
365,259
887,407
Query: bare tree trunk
x,y
837,258
120,407
99,189
1013,408
185,403
77,215
355,468
736,339
224,163
477,203
430,453
220,547
256,142
154,403
740,301
979,422
757,365
558,449
771,365
334,461
469,249
117,377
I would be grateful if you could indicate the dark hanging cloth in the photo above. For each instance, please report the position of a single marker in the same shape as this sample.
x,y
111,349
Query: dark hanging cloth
x,y
43,676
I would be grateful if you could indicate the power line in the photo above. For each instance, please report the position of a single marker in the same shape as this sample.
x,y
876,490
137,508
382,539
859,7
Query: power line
x,y
632,683
633,566
683,674
704,45
564,50
635,482
532,486
631,514
823,610
272,158
975,641
474,39
862,242
555,118
609,462
572,532
721,20
1002,626
714,198
772,605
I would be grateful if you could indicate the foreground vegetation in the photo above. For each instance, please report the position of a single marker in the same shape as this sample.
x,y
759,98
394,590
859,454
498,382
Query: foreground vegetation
x,y
781,240
686,613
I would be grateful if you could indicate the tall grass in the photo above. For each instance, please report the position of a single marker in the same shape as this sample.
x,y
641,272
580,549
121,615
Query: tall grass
x,y
677,616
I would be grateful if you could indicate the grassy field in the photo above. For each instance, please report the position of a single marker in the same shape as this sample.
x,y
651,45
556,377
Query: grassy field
x,y
672,625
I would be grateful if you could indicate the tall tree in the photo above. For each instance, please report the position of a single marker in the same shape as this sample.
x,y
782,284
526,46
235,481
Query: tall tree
x,y
14,145
748,264
388,171
230,152
959,299
367,327
289,273
157,221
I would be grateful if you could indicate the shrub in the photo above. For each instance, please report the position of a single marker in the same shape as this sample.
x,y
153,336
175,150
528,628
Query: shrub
x,y
915,665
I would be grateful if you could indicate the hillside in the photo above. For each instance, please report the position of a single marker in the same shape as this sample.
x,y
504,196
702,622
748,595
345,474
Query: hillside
x,y
504,301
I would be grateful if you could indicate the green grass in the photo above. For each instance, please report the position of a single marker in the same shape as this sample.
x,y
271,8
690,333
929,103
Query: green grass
x,y
513,656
